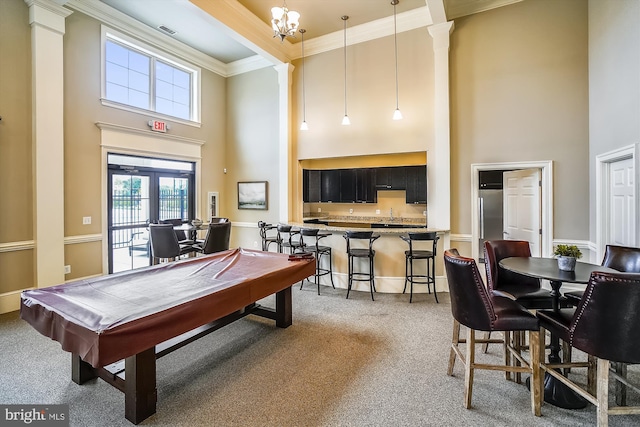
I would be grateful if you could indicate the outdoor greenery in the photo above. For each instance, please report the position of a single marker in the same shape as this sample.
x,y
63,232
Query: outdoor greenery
x,y
567,250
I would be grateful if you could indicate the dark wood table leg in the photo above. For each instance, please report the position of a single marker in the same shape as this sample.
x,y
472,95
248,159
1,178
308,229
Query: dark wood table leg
x,y
284,316
81,371
140,386
556,392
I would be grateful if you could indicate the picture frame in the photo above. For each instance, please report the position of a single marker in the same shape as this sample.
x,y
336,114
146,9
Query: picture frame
x,y
213,206
253,195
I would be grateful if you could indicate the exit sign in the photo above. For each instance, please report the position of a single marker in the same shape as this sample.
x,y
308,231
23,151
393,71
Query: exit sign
x,y
158,126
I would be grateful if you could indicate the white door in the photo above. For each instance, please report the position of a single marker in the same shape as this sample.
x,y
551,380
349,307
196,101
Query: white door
x,y
621,206
523,207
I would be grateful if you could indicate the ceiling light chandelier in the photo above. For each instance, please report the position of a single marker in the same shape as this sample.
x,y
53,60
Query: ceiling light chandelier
x,y
304,125
397,115
345,119
284,22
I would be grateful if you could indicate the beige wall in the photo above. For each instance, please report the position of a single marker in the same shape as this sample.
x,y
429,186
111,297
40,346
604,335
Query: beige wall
x,y
371,98
519,92
16,194
252,148
614,82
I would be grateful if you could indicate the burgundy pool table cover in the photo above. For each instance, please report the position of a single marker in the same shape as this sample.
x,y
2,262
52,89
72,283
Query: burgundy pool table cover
x,y
109,318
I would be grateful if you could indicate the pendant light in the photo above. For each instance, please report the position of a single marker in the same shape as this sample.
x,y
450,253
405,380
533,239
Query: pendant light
x,y
284,22
397,115
345,119
304,125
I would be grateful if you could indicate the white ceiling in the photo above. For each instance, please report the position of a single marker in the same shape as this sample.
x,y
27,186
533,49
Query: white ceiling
x,y
198,29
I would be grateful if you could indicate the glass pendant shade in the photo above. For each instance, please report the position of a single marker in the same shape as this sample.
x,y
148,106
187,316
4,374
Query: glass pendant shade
x,y
397,115
304,126
284,22
346,121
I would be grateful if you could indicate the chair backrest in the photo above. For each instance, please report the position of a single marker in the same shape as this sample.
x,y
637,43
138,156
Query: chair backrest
x,y
180,234
470,302
622,258
309,237
360,235
498,277
606,322
426,236
163,241
216,219
217,238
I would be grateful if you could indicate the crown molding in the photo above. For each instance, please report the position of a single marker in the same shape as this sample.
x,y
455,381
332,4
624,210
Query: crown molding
x,y
130,26
469,7
407,21
246,65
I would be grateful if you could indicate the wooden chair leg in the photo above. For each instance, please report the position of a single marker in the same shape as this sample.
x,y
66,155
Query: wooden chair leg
x,y
534,362
470,360
518,344
592,375
566,356
485,346
621,389
507,354
603,393
454,343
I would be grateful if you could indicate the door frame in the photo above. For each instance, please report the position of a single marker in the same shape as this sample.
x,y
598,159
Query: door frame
x,y
546,166
603,166
117,139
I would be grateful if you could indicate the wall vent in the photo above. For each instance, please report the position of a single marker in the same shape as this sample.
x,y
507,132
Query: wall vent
x,y
166,30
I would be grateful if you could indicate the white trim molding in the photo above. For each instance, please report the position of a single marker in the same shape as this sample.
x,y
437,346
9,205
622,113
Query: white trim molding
x,y
85,238
547,200
603,163
17,246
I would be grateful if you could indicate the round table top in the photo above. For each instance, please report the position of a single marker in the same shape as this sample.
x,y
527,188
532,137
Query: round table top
x,y
547,268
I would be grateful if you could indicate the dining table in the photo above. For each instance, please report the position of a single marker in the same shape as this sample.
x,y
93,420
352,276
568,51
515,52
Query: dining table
x,y
555,392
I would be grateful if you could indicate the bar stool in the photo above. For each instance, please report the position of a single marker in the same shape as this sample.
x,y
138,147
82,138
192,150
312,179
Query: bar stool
x,y
286,239
360,252
413,254
267,238
313,236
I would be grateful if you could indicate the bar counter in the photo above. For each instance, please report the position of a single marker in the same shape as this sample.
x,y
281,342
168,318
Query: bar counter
x,y
389,258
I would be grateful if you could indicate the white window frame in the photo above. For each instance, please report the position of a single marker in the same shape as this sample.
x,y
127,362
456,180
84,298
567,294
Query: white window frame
x,y
131,43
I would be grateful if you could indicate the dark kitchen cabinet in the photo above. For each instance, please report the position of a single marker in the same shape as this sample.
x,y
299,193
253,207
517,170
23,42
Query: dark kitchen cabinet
x,y
391,178
366,186
311,185
347,185
330,186
416,184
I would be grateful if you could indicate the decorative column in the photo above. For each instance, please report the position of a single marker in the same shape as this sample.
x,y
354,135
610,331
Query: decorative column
x,y
285,148
439,170
47,20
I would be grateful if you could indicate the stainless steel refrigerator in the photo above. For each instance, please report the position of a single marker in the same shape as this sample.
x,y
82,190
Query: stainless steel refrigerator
x,y
490,203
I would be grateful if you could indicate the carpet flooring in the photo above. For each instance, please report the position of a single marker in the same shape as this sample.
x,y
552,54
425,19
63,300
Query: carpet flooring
x,y
352,362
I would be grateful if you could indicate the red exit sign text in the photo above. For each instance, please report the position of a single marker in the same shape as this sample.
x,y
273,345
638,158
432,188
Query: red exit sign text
x,y
158,126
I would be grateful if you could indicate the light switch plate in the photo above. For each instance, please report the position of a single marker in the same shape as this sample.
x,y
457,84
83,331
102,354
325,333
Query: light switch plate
x,y
86,220
377,211
67,269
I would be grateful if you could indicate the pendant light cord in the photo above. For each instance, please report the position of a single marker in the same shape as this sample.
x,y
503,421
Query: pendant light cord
x,y
344,18
304,97
395,41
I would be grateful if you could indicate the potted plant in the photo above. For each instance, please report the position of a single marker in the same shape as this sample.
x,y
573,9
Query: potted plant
x,y
567,256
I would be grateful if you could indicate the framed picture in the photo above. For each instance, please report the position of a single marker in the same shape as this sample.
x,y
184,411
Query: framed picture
x,y
252,195
212,202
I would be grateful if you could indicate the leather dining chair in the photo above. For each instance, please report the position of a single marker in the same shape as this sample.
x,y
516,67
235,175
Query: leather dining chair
x,y
622,258
216,239
181,235
606,326
164,243
473,306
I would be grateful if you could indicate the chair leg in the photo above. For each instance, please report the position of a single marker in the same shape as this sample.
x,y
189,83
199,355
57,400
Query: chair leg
x,y
468,367
411,280
406,273
536,348
621,389
455,340
507,339
485,346
566,356
331,270
518,344
432,263
349,274
592,375
372,286
603,393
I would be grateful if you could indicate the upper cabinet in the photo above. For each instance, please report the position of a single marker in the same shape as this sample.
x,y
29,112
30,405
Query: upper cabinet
x,y
416,184
361,185
391,178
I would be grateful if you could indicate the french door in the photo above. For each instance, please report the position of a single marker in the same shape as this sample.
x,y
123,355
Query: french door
x,y
138,195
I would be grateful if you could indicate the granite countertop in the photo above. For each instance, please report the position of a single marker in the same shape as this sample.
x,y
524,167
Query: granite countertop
x,y
418,222
381,231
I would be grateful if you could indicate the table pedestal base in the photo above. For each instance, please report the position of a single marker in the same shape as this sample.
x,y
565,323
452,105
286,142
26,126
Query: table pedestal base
x,y
558,394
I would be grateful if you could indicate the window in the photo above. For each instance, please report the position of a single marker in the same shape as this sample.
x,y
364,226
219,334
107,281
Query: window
x,y
135,77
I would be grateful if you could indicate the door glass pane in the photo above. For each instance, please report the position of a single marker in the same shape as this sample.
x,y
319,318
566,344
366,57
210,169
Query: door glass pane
x,y
173,198
129,218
